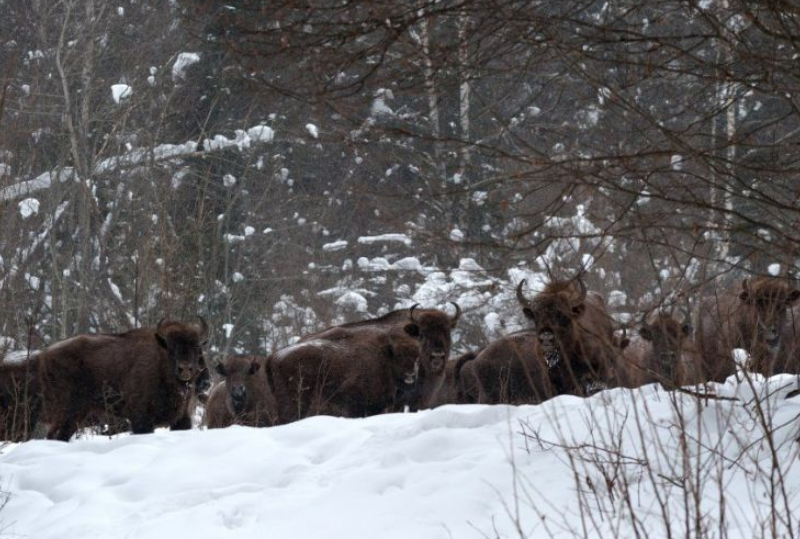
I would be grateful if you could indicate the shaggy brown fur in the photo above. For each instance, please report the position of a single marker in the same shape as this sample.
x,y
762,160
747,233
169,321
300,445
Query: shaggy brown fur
x,y
20,399
144,375
753,317
421,333
569,350
451,392
354,375
243,396
664,353
466,381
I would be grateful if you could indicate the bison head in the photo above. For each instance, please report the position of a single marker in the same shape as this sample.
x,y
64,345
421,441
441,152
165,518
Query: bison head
x,y
432,329
667,336
183,344
553,313
238,372
765,301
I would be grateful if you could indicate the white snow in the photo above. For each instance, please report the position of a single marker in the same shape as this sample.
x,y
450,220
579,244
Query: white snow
x,y
184,60
120,92
335,246
774,269
228,180
457,471
352,300
385,238
312,130
456,235
228,329
249,231
28,207
616,299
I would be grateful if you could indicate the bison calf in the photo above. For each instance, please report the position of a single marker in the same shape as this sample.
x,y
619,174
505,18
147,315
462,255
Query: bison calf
x,y
243,397
146,376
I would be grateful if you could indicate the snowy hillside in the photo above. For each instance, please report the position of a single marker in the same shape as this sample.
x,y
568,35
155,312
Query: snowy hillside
x,y
610,466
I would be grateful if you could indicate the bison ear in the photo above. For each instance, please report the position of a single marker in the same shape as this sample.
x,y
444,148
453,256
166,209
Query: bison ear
x,y
578,309
646,333
528,312
687,330
220,368
254,366
412,329
794,295
162,342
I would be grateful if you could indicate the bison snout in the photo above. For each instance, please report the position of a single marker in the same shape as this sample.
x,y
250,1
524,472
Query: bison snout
x,y
547,339
438,360
238,398
185,373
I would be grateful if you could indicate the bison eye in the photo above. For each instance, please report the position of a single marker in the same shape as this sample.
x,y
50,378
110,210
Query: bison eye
x,y
563,320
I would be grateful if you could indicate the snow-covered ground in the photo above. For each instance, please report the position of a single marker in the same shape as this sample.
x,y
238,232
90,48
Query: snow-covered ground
x,y
598,467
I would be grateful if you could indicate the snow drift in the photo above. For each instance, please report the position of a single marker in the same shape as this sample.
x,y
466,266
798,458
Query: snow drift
x,y
620,464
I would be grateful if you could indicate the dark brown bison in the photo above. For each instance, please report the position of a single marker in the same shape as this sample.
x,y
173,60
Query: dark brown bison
x,y
146,376
451,391
427,329
789,353
20,399
754,318
243,396
569,350
663,352
365,368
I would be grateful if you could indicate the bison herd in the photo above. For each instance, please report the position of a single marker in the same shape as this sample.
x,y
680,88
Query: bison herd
x,y
145,378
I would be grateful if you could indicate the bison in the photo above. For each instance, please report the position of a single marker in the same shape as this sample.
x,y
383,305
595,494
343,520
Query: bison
x,y
451,391
243,397
754,318
569,349
20,399
663,352
146,376
365,368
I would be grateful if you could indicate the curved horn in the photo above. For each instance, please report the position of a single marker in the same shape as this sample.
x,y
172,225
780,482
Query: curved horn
x,y
520,296
458,313
745,286
582,294
411,312
203,326
159,324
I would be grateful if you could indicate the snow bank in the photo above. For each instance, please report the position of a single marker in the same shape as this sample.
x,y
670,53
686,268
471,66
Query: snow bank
x,y
385,238
430,475
184,60
120,92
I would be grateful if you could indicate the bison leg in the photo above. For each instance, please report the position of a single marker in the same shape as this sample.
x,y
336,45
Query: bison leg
x,y
63,430
142,425
183,423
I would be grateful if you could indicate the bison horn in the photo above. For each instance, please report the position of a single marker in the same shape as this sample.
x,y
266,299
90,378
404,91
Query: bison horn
x,y
411,312
458,313
581,294
745,286
203,326
160,324
520,296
